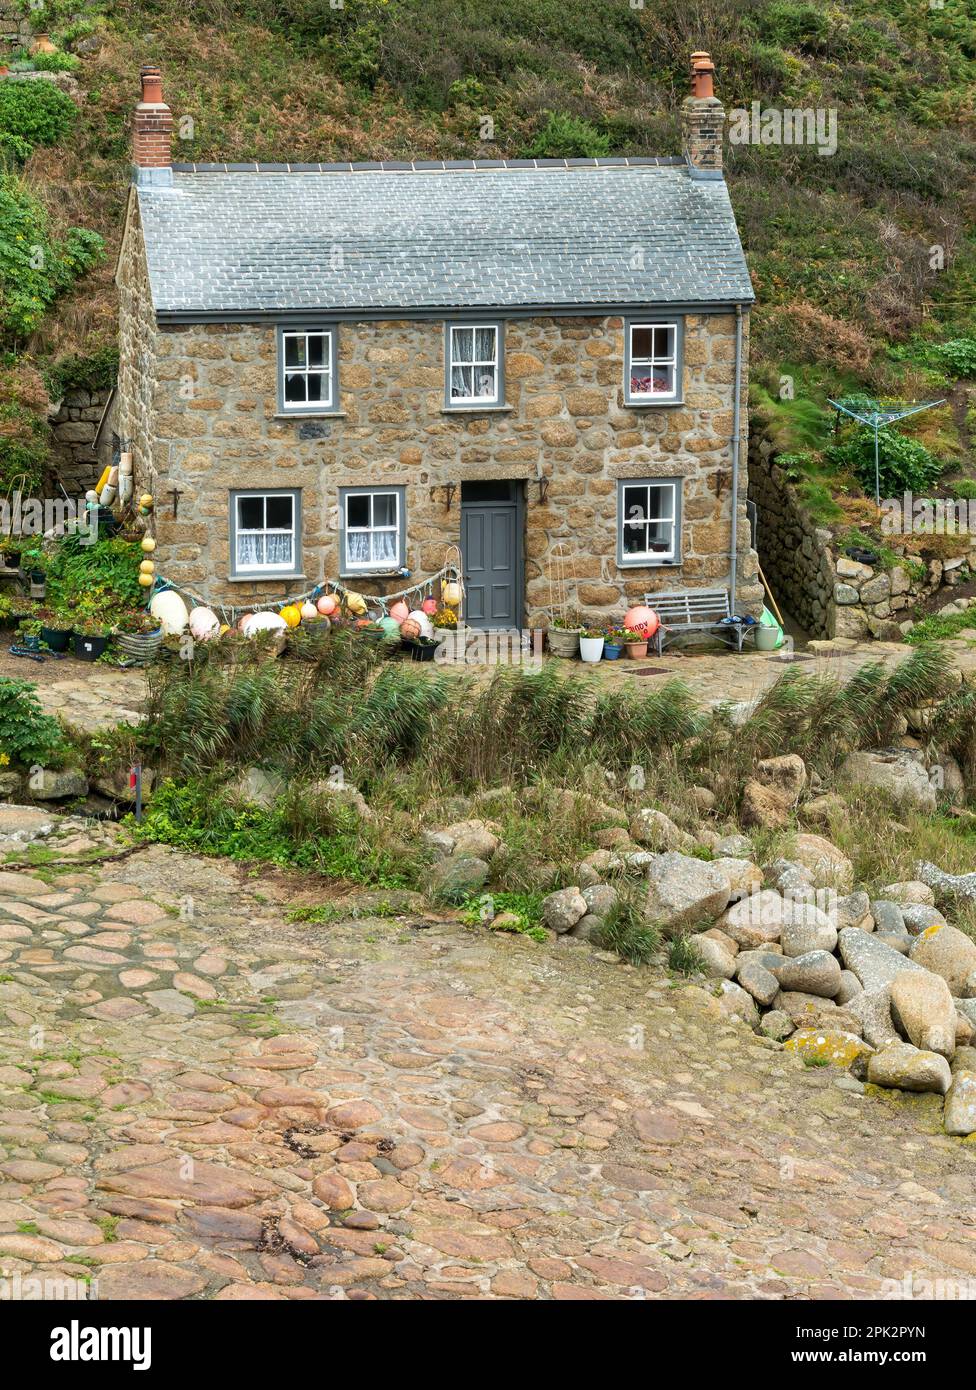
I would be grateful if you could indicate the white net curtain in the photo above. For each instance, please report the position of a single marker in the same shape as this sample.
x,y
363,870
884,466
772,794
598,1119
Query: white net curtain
x,y
373,530
266,532
474,371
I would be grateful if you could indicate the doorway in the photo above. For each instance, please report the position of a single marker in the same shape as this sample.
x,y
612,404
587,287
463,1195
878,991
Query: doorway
x,y
491,553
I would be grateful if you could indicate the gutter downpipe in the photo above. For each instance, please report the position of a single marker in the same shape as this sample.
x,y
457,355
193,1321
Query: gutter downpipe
x,y
736,446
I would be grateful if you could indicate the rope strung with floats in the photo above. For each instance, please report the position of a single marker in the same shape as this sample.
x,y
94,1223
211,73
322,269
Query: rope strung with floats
x,y
449,573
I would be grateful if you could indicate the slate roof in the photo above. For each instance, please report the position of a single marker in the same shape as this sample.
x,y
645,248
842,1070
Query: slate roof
x,y
234,239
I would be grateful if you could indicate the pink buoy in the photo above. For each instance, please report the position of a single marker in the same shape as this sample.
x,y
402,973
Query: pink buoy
x,y
327,605
399,610
642,619
429,606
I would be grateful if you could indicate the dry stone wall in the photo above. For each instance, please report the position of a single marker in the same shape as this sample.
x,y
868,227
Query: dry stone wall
x,y
833,595
794,553
74,426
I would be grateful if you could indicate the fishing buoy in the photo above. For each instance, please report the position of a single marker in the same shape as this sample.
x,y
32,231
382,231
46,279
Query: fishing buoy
x,y
204,624
170,609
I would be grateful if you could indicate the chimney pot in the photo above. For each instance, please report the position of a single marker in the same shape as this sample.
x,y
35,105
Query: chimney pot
x,y
152,84
703,120
152,132
702,73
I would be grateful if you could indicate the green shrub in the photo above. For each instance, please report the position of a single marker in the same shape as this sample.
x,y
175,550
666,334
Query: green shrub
x,y
96,579
27,735
567,137
958,356
36,111
55,62
35,268
24,448
964,490
14,151
904,465
96,372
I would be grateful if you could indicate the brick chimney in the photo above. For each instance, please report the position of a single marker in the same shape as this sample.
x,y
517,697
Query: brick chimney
x,y
152,133
703,121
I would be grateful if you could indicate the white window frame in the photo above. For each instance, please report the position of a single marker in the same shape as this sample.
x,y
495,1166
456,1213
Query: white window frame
x,y
350,566
467,402
643,558
670,360
239,569
326,372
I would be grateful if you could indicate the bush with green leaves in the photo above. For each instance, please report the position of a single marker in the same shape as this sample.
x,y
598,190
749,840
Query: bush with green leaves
x,y
904,465
96,579
35,266
28,736
36,111
957,356
567,137
96,372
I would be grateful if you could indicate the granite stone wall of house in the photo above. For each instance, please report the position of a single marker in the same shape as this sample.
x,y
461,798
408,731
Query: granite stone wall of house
x,y
139,338
200,404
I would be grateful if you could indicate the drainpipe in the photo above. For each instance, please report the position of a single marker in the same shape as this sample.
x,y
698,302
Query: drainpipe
x,y
735,456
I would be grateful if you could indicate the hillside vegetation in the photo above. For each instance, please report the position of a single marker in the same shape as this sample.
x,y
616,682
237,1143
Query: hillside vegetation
x,y
864,262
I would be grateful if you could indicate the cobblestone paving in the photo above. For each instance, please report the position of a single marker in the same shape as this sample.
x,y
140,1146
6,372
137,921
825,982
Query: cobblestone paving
x,y
228,1105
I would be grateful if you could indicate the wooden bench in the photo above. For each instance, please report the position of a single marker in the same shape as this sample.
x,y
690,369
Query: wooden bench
x,y
695,610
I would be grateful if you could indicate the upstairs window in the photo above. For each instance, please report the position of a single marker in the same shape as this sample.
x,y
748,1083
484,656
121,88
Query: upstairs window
x,y
264,535
474,372
653,363
306,370
649,521
373,528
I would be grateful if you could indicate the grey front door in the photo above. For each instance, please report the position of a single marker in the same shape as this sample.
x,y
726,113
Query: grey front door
x,y
491,552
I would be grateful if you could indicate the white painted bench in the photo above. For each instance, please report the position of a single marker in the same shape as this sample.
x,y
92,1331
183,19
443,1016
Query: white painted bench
x,y
695,610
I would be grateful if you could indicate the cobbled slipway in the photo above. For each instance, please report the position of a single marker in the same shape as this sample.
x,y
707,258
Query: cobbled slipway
x,y
200,1099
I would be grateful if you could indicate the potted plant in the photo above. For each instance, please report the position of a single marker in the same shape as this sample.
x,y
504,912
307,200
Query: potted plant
x,y
138,635
613,643
34,561
56,630
564,635
591,641
91,639
422,648
29,633
635,643
12,548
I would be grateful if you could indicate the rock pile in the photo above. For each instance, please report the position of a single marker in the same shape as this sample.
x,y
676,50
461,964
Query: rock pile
x,y
884,986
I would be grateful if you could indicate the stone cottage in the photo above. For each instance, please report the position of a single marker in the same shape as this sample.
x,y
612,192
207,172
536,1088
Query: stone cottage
x,y
335,371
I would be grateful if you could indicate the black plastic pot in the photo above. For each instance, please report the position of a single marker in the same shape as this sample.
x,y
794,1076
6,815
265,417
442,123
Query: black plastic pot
x,y
89,648
423,652
862,555
56,638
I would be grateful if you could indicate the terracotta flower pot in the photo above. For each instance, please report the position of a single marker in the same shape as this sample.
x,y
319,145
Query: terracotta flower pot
x,y
636,649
